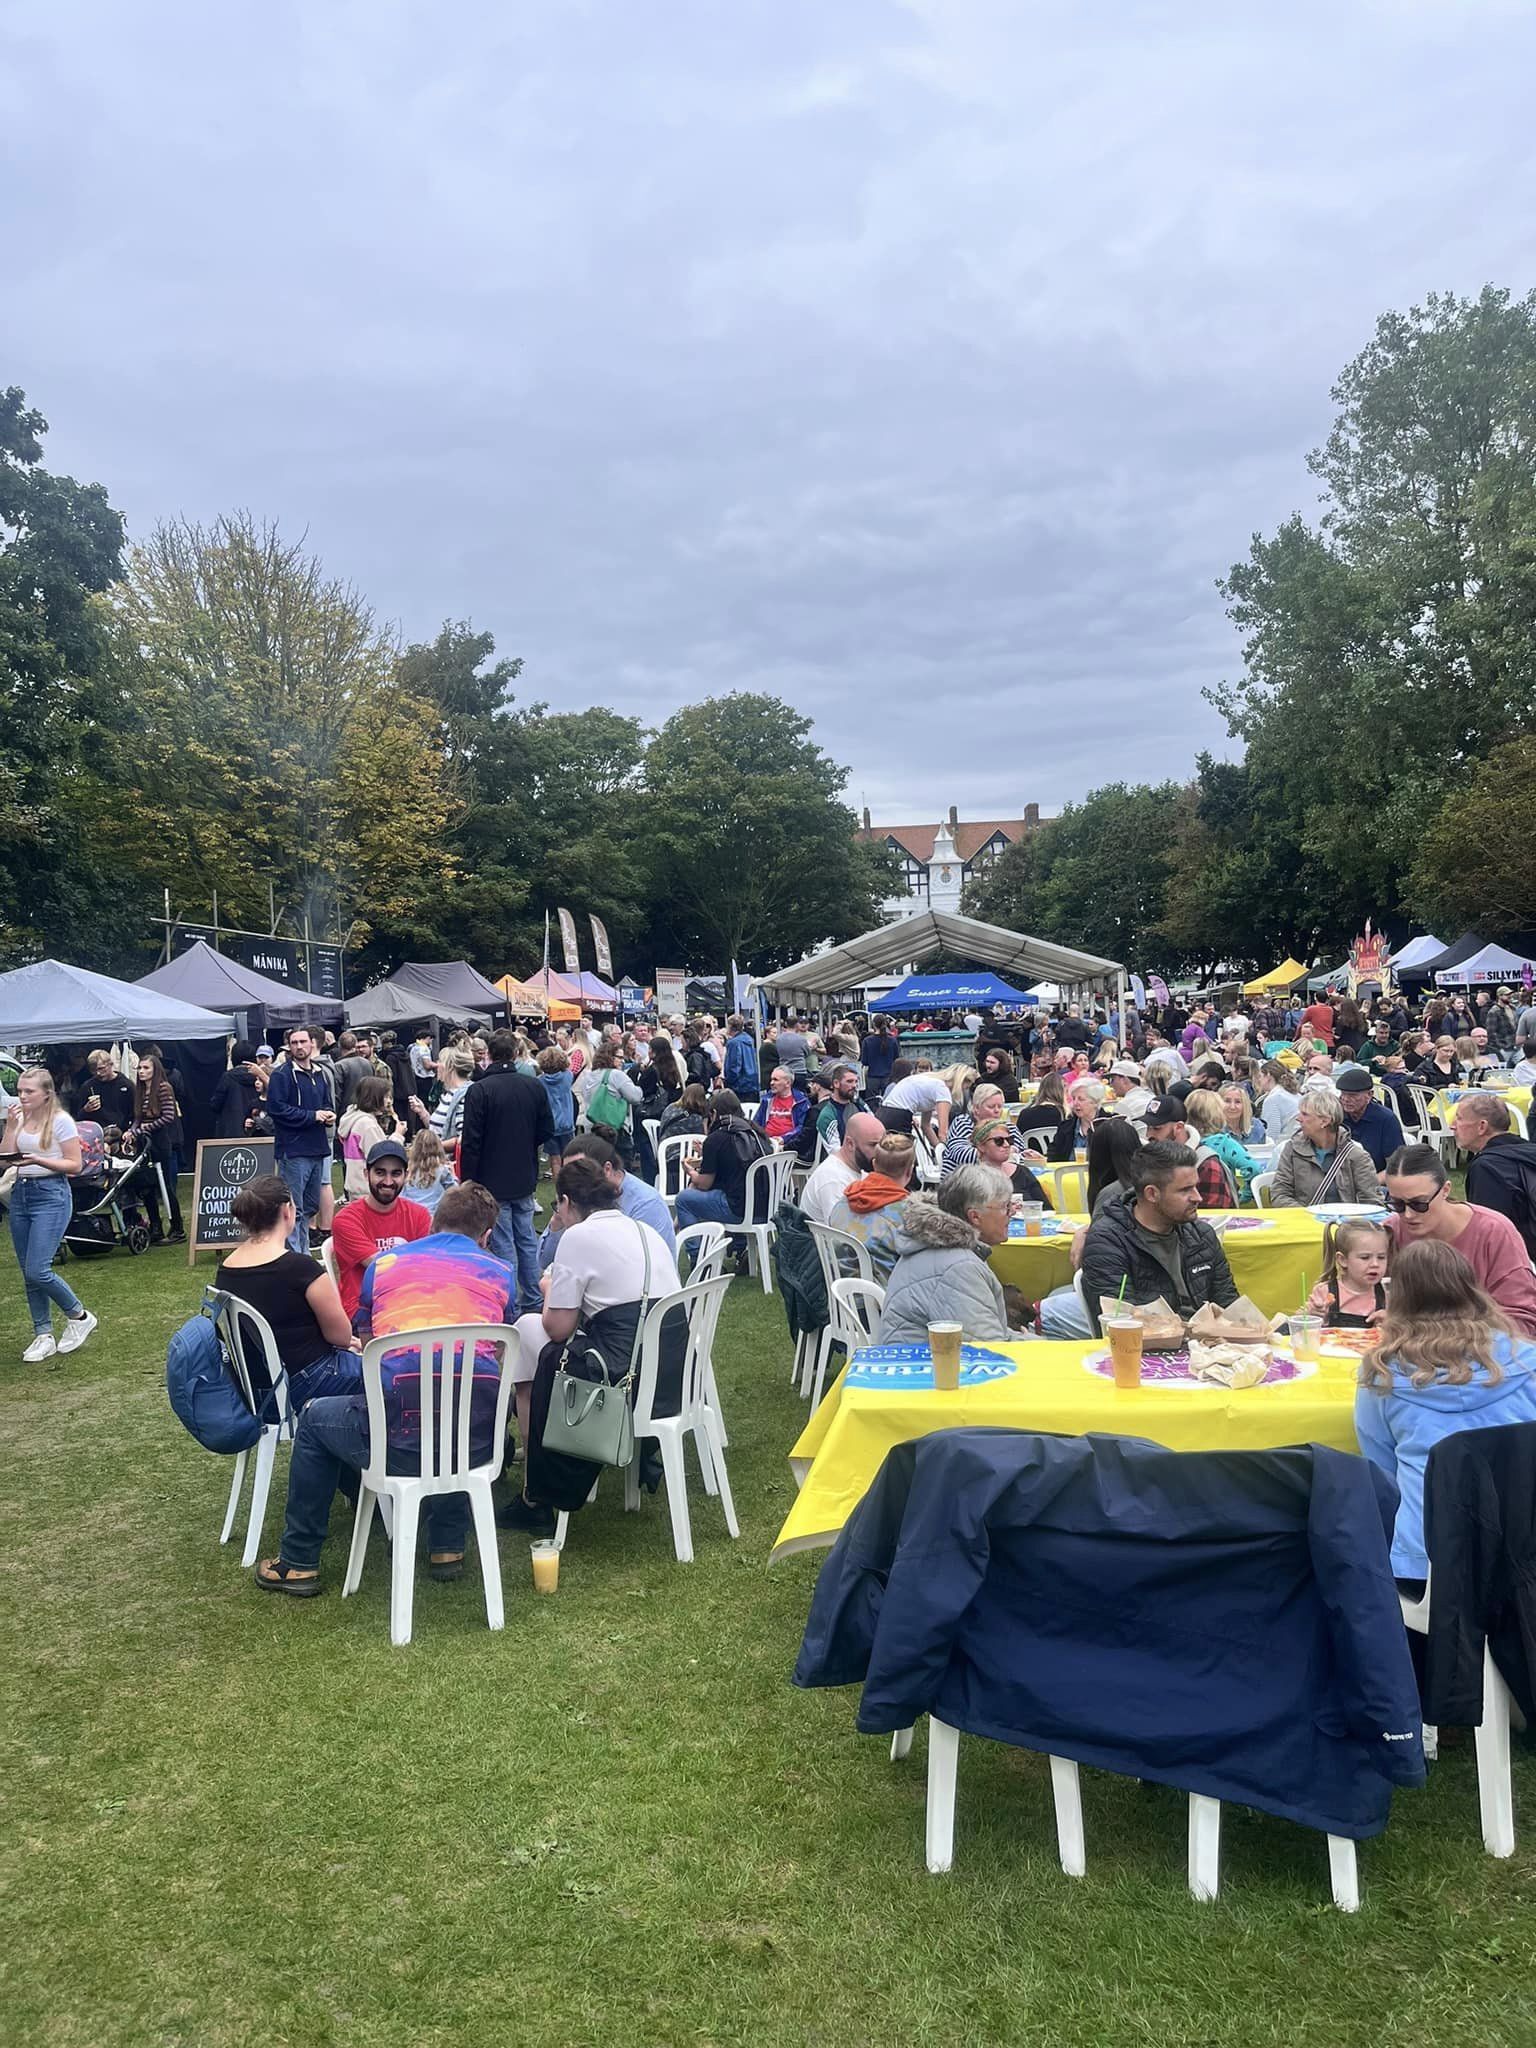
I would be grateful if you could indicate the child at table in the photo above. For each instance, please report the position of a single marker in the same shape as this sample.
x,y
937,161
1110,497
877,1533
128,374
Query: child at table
x,y
1352,1293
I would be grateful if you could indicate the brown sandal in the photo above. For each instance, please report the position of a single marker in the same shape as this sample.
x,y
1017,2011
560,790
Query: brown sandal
x,y
273,1576
445,1565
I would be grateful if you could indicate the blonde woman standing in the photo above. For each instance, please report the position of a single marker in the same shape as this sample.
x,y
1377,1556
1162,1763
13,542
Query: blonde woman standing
x,y
44,1145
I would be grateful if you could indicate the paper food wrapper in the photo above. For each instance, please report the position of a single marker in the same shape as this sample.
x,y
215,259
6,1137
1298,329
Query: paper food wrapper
x,y
1227,1365
1160,1324
1239,1323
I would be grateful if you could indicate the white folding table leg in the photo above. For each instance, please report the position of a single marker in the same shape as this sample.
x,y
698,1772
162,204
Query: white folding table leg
x,y
901,1744
943,1763
1495,1790
1067,1793
1204,1845
1344,1871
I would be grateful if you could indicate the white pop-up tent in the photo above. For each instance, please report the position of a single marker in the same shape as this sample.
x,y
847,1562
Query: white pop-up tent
x,y
52,1003
811,982
1492,965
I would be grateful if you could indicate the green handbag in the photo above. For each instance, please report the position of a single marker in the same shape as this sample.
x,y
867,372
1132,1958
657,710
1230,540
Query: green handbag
x,y
592,1417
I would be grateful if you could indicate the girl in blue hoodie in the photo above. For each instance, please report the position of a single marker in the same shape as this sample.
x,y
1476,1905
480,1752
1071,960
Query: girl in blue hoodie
x,y
1447,1360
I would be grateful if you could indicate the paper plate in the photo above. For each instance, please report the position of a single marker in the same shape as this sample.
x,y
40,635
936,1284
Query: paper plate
x,y
1330,1211
1223,1224
900,1368
1170,1369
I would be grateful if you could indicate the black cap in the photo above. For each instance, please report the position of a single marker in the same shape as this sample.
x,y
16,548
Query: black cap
x,y
1352,1081
1166,1109
386,1148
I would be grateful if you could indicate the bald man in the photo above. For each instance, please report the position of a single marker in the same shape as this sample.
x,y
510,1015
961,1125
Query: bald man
x,y
852,1159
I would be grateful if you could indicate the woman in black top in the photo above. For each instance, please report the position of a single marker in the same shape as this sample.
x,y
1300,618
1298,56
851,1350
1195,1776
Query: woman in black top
x,y
997,1067
1048,1109
1442,1069
297,1299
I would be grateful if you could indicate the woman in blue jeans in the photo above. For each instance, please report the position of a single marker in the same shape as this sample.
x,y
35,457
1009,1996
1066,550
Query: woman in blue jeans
x,y
44,1146
297,1299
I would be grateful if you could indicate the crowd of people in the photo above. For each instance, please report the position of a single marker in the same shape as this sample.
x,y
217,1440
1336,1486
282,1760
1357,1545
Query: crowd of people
x,y
1171,1111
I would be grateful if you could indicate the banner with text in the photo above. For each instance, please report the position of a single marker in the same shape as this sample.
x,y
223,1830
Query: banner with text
x,y
671,991
568,941
600,948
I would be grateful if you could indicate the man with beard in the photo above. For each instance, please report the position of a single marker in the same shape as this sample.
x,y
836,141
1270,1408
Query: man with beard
x,y
853,1158
380,1219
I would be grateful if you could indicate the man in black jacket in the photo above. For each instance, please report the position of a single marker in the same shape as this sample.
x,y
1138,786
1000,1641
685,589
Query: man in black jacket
x,y
1153,1241
1501,1173
507,1118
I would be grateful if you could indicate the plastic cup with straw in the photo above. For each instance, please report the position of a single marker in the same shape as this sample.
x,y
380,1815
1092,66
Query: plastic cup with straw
x,y
1124,1342
1306,1329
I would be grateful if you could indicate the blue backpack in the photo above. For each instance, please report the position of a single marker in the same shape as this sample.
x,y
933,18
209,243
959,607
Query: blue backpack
x,y
740,1074
204,1393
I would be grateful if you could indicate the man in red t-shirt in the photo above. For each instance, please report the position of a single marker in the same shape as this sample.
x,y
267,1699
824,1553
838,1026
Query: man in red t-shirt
x,y
379,1220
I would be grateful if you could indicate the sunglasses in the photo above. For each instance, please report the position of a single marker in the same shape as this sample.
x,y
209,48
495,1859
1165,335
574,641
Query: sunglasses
x,y
1419,1204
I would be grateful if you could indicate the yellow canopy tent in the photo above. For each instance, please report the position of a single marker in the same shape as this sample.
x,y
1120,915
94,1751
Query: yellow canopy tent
x,y
1286,975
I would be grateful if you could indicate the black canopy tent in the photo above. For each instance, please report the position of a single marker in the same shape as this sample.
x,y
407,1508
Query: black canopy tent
x,y
1459,950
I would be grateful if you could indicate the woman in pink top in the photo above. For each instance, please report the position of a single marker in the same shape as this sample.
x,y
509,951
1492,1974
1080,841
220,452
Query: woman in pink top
x,y
1418,1194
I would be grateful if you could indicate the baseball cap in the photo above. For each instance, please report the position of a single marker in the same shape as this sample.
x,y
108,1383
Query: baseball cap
x,y
1167,1109
1128,1068
386,1148
1352,1081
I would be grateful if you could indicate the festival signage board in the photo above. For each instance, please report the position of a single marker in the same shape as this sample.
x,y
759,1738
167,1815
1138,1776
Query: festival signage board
x,y
671,991
568,942
224,1166
601,949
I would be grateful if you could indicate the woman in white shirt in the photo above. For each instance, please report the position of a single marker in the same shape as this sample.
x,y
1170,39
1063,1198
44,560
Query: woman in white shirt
x,y
44,1145
606,1266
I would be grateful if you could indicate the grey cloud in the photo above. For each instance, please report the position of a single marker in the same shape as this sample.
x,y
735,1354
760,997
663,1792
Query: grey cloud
x,y
923,363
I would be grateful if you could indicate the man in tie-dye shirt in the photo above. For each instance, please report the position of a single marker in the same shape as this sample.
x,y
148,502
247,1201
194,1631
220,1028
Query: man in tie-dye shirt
x,y
446,1278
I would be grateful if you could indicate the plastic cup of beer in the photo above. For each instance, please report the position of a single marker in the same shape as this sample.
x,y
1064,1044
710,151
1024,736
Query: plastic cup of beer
x,y
944,1343
1124,1334
1306,1333
546,1567
1034,1217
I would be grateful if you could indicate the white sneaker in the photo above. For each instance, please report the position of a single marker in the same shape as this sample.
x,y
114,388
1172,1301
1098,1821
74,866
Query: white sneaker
x,y
42,1346
76,1332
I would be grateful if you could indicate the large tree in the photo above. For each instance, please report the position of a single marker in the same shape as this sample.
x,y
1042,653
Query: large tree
x,y
751,852
1391,646
60,544
1476,861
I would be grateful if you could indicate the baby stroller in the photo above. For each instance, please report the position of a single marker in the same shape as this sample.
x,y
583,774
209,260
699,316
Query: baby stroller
x,y
109,1199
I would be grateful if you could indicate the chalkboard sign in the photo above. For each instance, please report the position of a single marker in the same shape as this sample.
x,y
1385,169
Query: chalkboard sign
x,y
224,1166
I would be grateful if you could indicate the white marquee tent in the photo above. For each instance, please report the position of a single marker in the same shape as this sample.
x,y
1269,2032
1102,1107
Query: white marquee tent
x,y
812,982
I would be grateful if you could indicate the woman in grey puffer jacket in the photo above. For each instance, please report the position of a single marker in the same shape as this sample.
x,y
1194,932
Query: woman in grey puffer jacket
x,y
942,1275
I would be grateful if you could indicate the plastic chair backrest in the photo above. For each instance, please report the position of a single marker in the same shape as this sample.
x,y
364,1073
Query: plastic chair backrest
x,y
856,1306
701,1305
707,1247
328,1259
843,1256
768,1181
446,1352
246,1332
1261,1185
1066,1185
670,1155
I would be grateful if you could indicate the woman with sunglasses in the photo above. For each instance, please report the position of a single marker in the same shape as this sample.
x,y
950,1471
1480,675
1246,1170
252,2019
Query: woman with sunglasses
x,y
1419,1197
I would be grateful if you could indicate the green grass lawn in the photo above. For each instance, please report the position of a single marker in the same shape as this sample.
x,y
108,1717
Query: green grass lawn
x,y
230,1818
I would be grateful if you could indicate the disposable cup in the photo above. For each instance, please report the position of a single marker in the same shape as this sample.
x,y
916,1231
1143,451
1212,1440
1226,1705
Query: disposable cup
x,y
1124,1334
546,1567
1033,1214
944,1343
1306,1332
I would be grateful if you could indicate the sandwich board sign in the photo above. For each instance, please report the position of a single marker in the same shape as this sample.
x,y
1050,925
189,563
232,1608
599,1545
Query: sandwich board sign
x,y
224,1166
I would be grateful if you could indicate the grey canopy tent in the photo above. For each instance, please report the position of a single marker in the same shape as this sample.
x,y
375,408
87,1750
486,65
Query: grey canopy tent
x,y
385,1006
212,979
450,987
52,1003
1433,964
910,940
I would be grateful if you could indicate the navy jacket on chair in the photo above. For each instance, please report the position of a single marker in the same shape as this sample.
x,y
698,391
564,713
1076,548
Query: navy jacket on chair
x,y
1225,1622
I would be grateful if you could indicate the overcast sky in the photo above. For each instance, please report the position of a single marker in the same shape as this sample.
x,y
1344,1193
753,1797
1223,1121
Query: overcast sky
x,y
920,361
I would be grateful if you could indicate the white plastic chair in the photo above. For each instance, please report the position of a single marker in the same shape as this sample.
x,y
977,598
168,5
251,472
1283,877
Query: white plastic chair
x,y
1038,1141
651,1125
1436,1129
1204,1821
930,1159
843,1257
328,1260
768,1184
447,1355
243,1332
671,1155
1495,1785
1066,1184
696,1415
857,1306
1409,1107
706,1245
1260,1187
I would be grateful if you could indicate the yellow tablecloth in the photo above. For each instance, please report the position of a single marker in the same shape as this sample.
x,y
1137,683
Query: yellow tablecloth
x,y
1444,1104
855,1426
1269,1265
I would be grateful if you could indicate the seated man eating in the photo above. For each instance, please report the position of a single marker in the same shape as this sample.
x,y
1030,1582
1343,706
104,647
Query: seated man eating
x,y
1147,1243
448,1277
